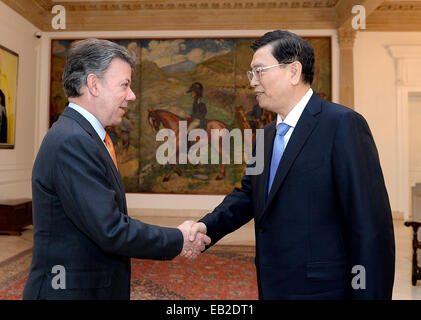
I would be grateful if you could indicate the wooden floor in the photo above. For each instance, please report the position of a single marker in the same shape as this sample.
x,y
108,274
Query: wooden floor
x,y
403,289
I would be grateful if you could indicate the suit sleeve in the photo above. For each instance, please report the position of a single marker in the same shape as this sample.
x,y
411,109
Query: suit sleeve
x,y
365,207
89,201
234,211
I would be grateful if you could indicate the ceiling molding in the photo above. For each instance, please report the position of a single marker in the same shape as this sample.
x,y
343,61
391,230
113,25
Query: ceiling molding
x,y
400,6
190,20
394,20
186,5
114,15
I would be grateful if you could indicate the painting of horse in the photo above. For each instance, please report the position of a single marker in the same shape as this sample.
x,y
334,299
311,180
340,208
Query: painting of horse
x,y
163,80
171,121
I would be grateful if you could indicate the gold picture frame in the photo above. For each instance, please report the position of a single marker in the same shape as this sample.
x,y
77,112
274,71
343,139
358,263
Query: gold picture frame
x,y
9,61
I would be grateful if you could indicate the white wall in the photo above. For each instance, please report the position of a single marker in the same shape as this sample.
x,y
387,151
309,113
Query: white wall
x,y
15,164
414,104
415,136
375,74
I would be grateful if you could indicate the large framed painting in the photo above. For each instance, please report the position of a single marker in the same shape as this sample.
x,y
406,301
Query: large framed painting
x,y
190,84
8,92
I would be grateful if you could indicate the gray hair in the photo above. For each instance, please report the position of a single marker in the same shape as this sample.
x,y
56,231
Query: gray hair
x,y
90,56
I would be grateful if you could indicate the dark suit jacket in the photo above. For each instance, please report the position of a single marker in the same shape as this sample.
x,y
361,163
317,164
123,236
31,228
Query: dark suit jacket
x,y
327,211
80,219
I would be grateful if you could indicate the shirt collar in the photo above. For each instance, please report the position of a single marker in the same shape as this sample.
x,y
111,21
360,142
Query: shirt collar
x,y
91,118
295,114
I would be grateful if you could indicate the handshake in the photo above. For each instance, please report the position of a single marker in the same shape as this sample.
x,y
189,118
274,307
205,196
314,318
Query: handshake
x,y
195,238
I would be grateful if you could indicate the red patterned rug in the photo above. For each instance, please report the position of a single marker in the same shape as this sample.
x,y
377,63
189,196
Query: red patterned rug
x,y
221,273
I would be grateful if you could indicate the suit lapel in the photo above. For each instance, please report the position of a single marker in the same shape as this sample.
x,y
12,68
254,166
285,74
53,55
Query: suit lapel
x,y
71,113
302,131
263,178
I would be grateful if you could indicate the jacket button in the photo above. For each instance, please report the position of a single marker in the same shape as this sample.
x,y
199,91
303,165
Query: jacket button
x,y
262,230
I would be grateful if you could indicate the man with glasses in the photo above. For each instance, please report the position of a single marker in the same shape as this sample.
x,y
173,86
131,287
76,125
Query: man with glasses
x,y
322,217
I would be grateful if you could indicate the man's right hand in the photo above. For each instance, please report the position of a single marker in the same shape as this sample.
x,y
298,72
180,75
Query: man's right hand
x,y
198,227
195,239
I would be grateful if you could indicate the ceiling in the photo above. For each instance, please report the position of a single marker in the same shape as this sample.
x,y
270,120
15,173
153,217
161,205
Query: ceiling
x,y
112,15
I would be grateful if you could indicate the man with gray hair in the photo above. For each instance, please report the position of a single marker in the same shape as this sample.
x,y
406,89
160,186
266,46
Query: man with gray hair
x,y
83,237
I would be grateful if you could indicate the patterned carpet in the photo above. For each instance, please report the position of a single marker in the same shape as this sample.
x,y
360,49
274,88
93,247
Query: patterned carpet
x,y
221,273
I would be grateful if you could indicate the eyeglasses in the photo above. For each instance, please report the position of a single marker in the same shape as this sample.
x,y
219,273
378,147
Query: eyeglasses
x,y
257,72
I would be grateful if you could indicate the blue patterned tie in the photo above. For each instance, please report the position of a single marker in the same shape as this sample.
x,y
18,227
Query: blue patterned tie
x,y
278,150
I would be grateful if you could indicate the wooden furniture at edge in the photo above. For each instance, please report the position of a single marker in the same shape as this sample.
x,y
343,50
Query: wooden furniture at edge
x,y
416,270
15,215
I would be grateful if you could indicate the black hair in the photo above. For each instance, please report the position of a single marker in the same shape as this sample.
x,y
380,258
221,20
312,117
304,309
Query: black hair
x,y
288,47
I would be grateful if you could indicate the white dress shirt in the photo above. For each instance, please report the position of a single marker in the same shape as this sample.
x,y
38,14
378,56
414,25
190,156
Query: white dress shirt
x,y
294,115
99,129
